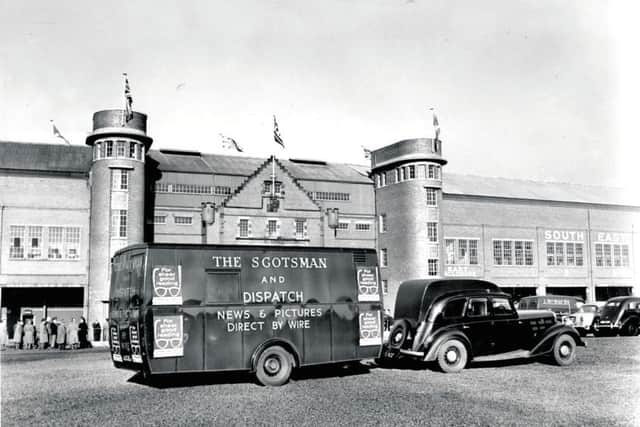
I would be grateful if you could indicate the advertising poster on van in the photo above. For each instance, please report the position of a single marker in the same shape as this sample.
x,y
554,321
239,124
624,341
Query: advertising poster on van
x,y
368,289
167,285
167,336
370,328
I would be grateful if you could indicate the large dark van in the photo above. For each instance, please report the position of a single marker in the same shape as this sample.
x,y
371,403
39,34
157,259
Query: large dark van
x,y
194,308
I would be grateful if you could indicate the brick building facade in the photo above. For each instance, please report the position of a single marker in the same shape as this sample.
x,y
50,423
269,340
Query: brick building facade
x,y
64,210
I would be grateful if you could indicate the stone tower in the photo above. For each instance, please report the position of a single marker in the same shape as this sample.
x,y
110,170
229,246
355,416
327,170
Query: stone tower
x,y
408,189
117,181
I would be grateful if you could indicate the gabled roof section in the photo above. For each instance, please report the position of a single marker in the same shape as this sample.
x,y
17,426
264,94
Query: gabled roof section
x,y
250,183
25,156
471,185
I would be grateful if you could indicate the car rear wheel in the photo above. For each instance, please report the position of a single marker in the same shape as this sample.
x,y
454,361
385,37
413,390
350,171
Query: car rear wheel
x,y
452,356
398,334
564,350
274,366
630,329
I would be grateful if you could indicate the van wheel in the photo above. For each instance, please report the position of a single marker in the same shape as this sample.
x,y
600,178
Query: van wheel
x,y
274,366
398,334
452,356
564,350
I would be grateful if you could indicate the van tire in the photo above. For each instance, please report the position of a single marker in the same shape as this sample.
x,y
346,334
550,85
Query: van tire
x,y
274,366
564,350
452,356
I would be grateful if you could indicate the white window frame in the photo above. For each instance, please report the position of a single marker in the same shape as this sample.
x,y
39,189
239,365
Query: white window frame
x,y
508,252
382,222
239,232
384,258
188,220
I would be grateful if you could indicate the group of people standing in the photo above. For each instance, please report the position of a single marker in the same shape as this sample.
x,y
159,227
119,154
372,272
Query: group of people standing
x,y
51,334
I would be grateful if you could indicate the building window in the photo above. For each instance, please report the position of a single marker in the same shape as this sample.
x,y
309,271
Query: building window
x,y
273,229
432,196
102,150
332,196
182,220
363,226
378,180
565,253
121,148
383,178
343,225
162,187
34,242
190,189
109,148
56,243
119,223
398,177
432,231
432,267
72,242
461,251
434,172
385,286
412,172
612,255
513,252
16,247
301,229
159,219
268,186
384,260
382,221
244,227
132,150
119,179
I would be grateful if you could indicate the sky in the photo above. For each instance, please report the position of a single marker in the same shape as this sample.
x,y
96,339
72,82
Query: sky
x,y
537,90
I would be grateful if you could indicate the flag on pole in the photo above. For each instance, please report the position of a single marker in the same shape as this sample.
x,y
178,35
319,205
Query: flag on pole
x,y
57,133
367,152
276,132
436,124
230,143
128,99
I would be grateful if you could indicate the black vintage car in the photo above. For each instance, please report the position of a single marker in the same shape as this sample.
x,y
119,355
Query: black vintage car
x,y
620,315
455,321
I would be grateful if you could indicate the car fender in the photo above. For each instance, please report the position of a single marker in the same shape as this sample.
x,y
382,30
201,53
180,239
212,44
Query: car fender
x,y
545,344
441,337
284,343
631,318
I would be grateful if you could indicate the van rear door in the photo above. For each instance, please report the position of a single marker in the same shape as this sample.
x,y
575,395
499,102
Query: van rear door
x,y
127,279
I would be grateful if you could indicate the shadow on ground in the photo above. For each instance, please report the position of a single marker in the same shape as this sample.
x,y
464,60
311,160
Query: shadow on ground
x,y
165,381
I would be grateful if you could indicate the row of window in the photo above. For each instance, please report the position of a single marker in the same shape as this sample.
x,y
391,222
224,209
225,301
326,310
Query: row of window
x,y
404,173
565,253
218,190
432,263
120,148
272,228
44,242
461,251
612,255
331,196
358,226
177,219
513,252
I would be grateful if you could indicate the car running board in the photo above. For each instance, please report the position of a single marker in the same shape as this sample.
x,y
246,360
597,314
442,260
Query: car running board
x,y
412,353
517,354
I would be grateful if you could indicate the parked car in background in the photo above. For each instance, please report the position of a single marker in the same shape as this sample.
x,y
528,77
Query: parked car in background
x,y
620,315
583,319
452,322
561,305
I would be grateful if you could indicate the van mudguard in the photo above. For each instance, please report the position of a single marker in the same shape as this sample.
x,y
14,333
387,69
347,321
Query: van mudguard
x,y
284,343
431,354
545,345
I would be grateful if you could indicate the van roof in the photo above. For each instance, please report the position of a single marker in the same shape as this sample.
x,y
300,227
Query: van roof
x,y
248,247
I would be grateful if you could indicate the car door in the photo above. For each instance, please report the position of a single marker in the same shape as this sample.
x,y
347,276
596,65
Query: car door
x,y
507,328
477,326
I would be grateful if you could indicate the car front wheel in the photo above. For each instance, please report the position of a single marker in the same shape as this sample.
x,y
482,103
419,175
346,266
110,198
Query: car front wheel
x,y
452,356
564,350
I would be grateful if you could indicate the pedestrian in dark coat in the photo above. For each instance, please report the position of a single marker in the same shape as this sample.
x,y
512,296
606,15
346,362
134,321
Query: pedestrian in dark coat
x,y
83,331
